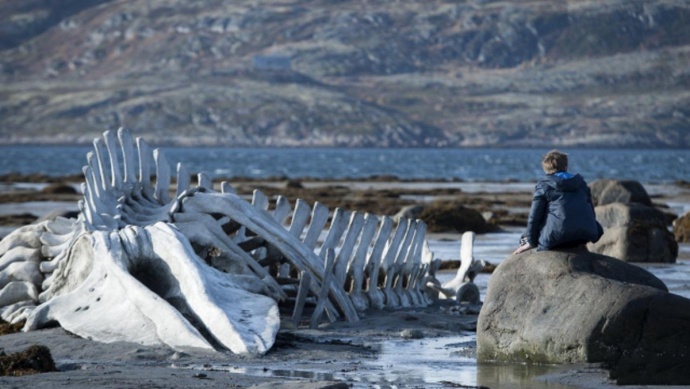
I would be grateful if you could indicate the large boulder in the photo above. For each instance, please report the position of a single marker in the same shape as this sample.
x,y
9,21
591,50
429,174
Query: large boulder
x,y
573,306
607,191
447,216
634,233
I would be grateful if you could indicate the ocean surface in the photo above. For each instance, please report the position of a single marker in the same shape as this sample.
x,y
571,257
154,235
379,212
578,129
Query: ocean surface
x,y
646,166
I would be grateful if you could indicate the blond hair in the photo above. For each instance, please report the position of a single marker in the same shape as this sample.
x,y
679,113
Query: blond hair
x,y
554,161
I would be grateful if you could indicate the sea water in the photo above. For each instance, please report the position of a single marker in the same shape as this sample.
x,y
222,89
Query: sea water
x,y
480,164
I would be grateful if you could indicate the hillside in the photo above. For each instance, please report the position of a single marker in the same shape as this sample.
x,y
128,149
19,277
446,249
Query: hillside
x,y
348,73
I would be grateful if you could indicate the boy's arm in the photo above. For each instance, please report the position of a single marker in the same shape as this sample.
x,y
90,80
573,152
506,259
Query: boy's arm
x,y
536,217
589,197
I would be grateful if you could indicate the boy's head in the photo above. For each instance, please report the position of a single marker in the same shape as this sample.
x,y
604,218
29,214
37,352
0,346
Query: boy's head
x,y
554,161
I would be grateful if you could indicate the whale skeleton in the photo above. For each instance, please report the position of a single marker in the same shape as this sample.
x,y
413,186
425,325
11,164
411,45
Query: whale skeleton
x,y
192,266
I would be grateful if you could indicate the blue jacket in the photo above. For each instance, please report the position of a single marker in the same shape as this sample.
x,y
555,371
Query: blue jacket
x,y
561,212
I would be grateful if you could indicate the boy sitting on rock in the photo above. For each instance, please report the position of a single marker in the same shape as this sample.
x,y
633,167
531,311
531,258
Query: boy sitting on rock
x,y
562,214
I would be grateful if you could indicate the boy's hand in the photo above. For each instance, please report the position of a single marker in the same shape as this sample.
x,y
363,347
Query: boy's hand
x,y
522,248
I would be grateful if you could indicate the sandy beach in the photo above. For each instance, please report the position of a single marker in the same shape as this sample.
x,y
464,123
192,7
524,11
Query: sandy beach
x,y
407,348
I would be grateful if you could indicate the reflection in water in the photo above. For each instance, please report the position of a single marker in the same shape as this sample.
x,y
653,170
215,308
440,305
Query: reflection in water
x,y
422,363
303,374
517,376
432,360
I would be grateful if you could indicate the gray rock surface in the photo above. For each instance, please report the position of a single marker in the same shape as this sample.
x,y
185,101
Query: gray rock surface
x,y
576,306
445,216
607,191
634,233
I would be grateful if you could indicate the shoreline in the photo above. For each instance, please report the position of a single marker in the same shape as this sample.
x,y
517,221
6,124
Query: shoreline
x,y
437,341
406,348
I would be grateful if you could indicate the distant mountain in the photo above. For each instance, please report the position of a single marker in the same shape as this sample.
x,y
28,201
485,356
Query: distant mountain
x,y
411,73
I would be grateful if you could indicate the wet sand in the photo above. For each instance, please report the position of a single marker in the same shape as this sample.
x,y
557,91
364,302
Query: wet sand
x,y
407,348
340,352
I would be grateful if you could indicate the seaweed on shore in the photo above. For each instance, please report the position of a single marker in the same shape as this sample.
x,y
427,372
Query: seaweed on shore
x,y
35,359
10,328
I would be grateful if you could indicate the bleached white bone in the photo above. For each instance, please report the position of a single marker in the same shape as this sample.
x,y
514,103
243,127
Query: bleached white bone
x,y
225,187
204,181
16,291
405,264
269,229
49,238
133,248
237,321
329,257
393,274
319,218
461,287
355,267
183,180
375,296
61,226
162,177
406,287
388,260
300,299
27,236
354,229
259,200
201,229
128,161
282,210
21,271
20,254
466,262
16,312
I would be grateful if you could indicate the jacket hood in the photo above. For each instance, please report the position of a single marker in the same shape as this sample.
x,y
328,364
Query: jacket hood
x,y
564,181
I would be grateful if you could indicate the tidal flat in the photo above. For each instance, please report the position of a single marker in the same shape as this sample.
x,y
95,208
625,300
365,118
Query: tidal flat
x,y
406,348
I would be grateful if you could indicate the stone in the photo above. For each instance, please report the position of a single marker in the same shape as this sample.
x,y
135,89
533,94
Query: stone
x,y
573,306
411,334
450,216
607,191
634,233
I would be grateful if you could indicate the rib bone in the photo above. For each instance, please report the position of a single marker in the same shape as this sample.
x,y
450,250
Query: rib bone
x,y
201,268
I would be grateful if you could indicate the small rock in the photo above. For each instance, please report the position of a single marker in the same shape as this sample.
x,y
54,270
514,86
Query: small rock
x,y
295,184
411,334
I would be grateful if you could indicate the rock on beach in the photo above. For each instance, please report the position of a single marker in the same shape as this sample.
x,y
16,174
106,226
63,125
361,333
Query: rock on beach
x,y
608,191
574,306
634,229
634,233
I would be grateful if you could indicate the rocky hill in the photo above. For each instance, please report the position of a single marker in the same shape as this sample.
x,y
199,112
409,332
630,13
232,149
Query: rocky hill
x,y
348,73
